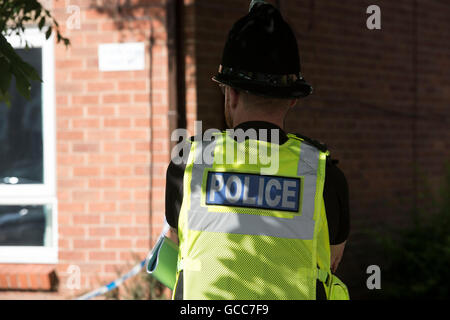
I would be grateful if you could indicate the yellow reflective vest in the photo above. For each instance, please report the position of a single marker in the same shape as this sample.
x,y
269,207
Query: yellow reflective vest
x,y
252,224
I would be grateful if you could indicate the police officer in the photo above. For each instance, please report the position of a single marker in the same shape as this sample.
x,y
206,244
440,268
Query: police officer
x,y
245,233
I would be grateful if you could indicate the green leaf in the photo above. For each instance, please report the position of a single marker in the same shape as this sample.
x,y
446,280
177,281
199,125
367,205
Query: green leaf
x,y
48,33
37,13
41,23
23,85
5,75
6,98
29,71
5,49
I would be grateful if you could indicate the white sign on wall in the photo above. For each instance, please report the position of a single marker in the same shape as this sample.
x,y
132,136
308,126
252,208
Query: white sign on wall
x,y
121,56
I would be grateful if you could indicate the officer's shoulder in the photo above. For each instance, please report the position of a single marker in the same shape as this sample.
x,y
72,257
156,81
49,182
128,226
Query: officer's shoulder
x,y
319,145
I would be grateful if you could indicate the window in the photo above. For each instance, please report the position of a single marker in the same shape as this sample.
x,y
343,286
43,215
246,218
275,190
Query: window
x,y
28,205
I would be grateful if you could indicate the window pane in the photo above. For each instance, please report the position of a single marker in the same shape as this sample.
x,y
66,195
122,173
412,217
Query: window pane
x,y
21,149
25,225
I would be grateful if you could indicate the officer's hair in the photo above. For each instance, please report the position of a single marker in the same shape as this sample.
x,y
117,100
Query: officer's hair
x,y
252,101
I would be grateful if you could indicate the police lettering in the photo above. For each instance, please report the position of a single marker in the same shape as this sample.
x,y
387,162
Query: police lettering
x,y
252,190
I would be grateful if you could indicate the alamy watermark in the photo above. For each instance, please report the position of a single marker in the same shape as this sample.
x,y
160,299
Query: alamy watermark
x,y
374,280
74,19
73,281
374,20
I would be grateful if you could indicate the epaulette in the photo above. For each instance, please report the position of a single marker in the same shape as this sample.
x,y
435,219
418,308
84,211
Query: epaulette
x,y
322,147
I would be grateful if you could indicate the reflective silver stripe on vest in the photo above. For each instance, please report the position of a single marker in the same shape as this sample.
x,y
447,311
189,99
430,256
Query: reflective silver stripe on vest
x,y
307,168
299,227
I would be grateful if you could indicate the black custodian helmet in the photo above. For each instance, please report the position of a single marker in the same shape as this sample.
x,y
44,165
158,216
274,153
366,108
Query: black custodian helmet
x,y
261,56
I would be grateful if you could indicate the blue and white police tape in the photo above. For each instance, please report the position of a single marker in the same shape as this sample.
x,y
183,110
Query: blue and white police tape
x,y
116,283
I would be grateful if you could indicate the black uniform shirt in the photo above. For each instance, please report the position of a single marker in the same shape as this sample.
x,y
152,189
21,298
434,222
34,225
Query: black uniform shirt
x,y
335,189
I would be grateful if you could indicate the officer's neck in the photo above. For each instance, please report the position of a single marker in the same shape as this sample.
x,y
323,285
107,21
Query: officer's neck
x,y
245,117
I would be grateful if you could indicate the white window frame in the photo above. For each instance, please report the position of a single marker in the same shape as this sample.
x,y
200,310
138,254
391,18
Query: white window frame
x,y
41,194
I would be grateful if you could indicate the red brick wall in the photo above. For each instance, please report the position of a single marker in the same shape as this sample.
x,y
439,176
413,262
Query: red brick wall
x,y
112,147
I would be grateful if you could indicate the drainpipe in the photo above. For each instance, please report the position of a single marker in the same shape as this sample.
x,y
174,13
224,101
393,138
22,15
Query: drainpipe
x,y
176,81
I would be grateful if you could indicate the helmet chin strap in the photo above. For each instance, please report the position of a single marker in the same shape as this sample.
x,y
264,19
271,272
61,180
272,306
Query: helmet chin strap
x,y
255,2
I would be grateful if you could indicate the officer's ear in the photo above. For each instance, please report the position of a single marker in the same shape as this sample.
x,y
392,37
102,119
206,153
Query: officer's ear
x,y
293,103
234,96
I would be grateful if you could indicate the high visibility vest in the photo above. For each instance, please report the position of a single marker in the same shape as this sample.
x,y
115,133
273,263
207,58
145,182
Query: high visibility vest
x,y
248,234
